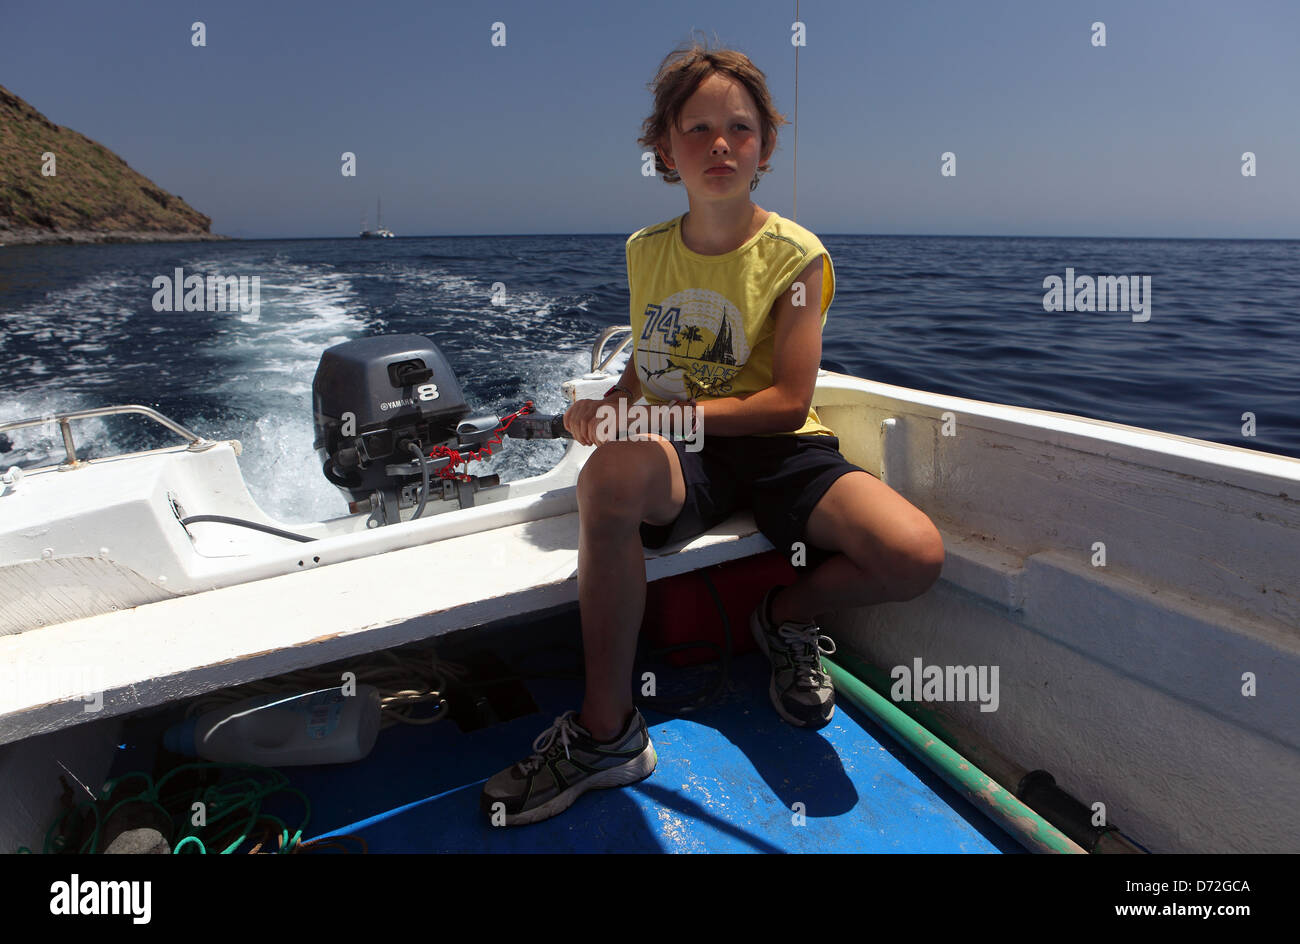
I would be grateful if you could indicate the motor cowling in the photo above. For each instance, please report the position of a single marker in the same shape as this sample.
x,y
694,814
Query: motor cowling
x,y
375,397
383,406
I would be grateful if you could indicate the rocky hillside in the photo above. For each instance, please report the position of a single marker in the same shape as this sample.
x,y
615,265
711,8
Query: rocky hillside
x,y
92,197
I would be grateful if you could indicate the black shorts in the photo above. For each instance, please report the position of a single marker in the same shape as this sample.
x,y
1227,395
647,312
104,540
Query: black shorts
x,y
781,478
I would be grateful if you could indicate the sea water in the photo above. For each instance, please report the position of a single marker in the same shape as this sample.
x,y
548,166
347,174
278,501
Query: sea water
x,y
516,316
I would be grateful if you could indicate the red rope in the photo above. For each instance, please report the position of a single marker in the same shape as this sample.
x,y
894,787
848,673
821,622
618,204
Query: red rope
x,y
485,451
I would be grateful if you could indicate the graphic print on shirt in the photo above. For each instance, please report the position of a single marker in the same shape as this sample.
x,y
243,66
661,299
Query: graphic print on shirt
x,y
692,345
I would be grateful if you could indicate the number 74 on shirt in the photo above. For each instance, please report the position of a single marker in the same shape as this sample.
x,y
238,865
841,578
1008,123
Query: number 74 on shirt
x,y
657,319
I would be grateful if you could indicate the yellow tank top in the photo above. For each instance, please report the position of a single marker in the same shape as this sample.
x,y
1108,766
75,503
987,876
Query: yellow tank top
x,y
702,325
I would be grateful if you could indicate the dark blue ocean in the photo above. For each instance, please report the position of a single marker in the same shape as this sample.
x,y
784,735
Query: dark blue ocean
x,y
954,315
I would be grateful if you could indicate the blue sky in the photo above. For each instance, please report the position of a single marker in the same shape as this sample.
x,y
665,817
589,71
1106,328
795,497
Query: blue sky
x,y
1052,136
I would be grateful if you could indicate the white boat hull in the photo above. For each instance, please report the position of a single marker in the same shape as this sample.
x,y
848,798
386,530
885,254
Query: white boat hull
x,y
1159,688
1130,681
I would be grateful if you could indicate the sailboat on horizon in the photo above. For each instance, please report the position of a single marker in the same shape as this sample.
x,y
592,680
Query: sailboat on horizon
x,y
379,232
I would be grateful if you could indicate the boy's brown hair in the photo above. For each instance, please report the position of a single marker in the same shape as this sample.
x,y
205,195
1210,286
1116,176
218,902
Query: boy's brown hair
x,y
681,73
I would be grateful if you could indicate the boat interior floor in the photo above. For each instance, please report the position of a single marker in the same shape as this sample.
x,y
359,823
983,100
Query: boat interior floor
x,y
731,777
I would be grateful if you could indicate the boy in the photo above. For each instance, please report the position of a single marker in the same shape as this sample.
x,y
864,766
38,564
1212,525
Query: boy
x,y
728,303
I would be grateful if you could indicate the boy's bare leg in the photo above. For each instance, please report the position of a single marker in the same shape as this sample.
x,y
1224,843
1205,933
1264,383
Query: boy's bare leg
x,y
621,484
889,551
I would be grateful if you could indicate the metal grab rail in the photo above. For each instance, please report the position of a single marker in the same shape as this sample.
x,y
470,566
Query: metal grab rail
x,y
197,442
597,365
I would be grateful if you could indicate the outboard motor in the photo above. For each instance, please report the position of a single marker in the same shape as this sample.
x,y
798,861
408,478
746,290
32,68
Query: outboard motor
x,y
382,405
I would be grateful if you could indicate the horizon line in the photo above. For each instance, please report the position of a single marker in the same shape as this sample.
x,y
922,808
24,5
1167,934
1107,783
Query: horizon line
x,y
621,235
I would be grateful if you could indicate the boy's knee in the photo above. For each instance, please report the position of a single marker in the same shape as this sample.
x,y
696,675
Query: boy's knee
x,y
918,563
612,483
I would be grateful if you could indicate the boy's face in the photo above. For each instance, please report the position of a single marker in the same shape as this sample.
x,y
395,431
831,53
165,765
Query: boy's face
x,y
719,124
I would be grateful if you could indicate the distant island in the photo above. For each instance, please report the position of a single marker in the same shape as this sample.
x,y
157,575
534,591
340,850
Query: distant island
x,y
92,197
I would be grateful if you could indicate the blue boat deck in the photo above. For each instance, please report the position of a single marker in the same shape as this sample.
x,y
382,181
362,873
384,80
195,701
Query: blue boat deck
x,y
732,776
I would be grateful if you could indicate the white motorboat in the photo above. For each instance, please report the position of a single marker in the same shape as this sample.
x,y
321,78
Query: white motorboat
x,y
1137,592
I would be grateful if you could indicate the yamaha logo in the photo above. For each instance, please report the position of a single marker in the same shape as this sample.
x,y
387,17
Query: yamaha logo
x,y
426,392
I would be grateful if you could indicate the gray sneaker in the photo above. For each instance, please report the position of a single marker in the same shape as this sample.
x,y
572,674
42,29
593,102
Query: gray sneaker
x,y
568,762
801,690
